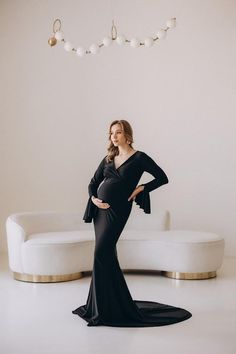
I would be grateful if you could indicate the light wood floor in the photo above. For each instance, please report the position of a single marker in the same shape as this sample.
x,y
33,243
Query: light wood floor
x,y
37,318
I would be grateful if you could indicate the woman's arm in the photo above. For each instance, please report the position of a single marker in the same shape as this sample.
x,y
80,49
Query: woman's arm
x,y
150,166
91,208
143,198
96,179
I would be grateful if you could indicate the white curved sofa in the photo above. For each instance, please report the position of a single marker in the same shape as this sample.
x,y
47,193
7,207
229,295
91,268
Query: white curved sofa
x,y
52,246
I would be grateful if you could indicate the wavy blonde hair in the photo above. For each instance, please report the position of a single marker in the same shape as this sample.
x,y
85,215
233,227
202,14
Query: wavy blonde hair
x,y
128,133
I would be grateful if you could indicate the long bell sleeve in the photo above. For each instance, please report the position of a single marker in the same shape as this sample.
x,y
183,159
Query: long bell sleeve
x,y
150,166
97,178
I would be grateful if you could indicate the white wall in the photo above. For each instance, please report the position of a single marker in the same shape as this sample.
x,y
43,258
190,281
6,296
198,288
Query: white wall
x,y
178,96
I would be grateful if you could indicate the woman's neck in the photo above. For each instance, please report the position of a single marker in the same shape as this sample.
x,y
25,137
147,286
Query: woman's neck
x,y
125,150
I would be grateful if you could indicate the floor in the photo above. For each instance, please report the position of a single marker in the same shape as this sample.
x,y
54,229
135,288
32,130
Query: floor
x,y
37,318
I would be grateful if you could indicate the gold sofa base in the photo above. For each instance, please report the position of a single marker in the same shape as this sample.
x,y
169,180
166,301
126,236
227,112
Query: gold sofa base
x,y
174,275
46,278
189,276
74,276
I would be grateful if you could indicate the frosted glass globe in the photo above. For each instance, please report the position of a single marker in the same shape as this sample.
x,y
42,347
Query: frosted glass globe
x,y
171,23
134,43
58,35
94,48
120,39
80,51
107,41
161,34
148,42
68,46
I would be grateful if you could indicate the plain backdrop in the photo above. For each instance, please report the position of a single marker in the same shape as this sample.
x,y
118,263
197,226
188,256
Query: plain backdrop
x,y
178,95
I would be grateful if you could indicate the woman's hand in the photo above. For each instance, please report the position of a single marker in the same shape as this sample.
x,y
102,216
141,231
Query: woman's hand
x,y
136,192
98,202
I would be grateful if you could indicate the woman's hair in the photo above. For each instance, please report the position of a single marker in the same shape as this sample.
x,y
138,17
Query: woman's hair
x,y
128,133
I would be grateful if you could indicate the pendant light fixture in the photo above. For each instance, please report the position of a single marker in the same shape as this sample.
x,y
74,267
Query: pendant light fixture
x,y
120,39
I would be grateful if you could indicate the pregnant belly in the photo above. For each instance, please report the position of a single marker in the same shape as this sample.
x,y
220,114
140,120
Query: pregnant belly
x,y
112,191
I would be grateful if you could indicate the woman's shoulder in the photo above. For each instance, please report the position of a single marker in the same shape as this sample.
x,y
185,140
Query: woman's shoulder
x,y
142,153
145,157
105,160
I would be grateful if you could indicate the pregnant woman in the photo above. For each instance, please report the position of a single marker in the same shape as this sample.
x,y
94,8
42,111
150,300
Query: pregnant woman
x,y
112,191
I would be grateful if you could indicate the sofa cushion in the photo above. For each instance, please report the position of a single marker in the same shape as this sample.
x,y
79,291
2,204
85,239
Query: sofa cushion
x,y
173,236
60,237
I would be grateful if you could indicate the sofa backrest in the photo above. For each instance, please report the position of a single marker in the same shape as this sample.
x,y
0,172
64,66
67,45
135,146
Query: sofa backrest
x,y
158,220
32,222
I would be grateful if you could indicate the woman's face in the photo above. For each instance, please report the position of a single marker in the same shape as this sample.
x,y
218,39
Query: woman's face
x,y
117,135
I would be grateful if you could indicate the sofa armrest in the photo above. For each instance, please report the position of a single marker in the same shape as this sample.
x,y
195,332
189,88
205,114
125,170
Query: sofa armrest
x,y
19,226
15,237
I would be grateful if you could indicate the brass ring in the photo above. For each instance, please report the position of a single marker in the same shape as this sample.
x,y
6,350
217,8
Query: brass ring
x,y
113,31
57,21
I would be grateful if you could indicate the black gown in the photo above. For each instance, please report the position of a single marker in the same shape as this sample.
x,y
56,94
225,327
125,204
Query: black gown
x,y
109,301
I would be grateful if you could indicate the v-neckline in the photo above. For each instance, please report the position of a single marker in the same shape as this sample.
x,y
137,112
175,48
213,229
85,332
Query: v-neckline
x,y
124,161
